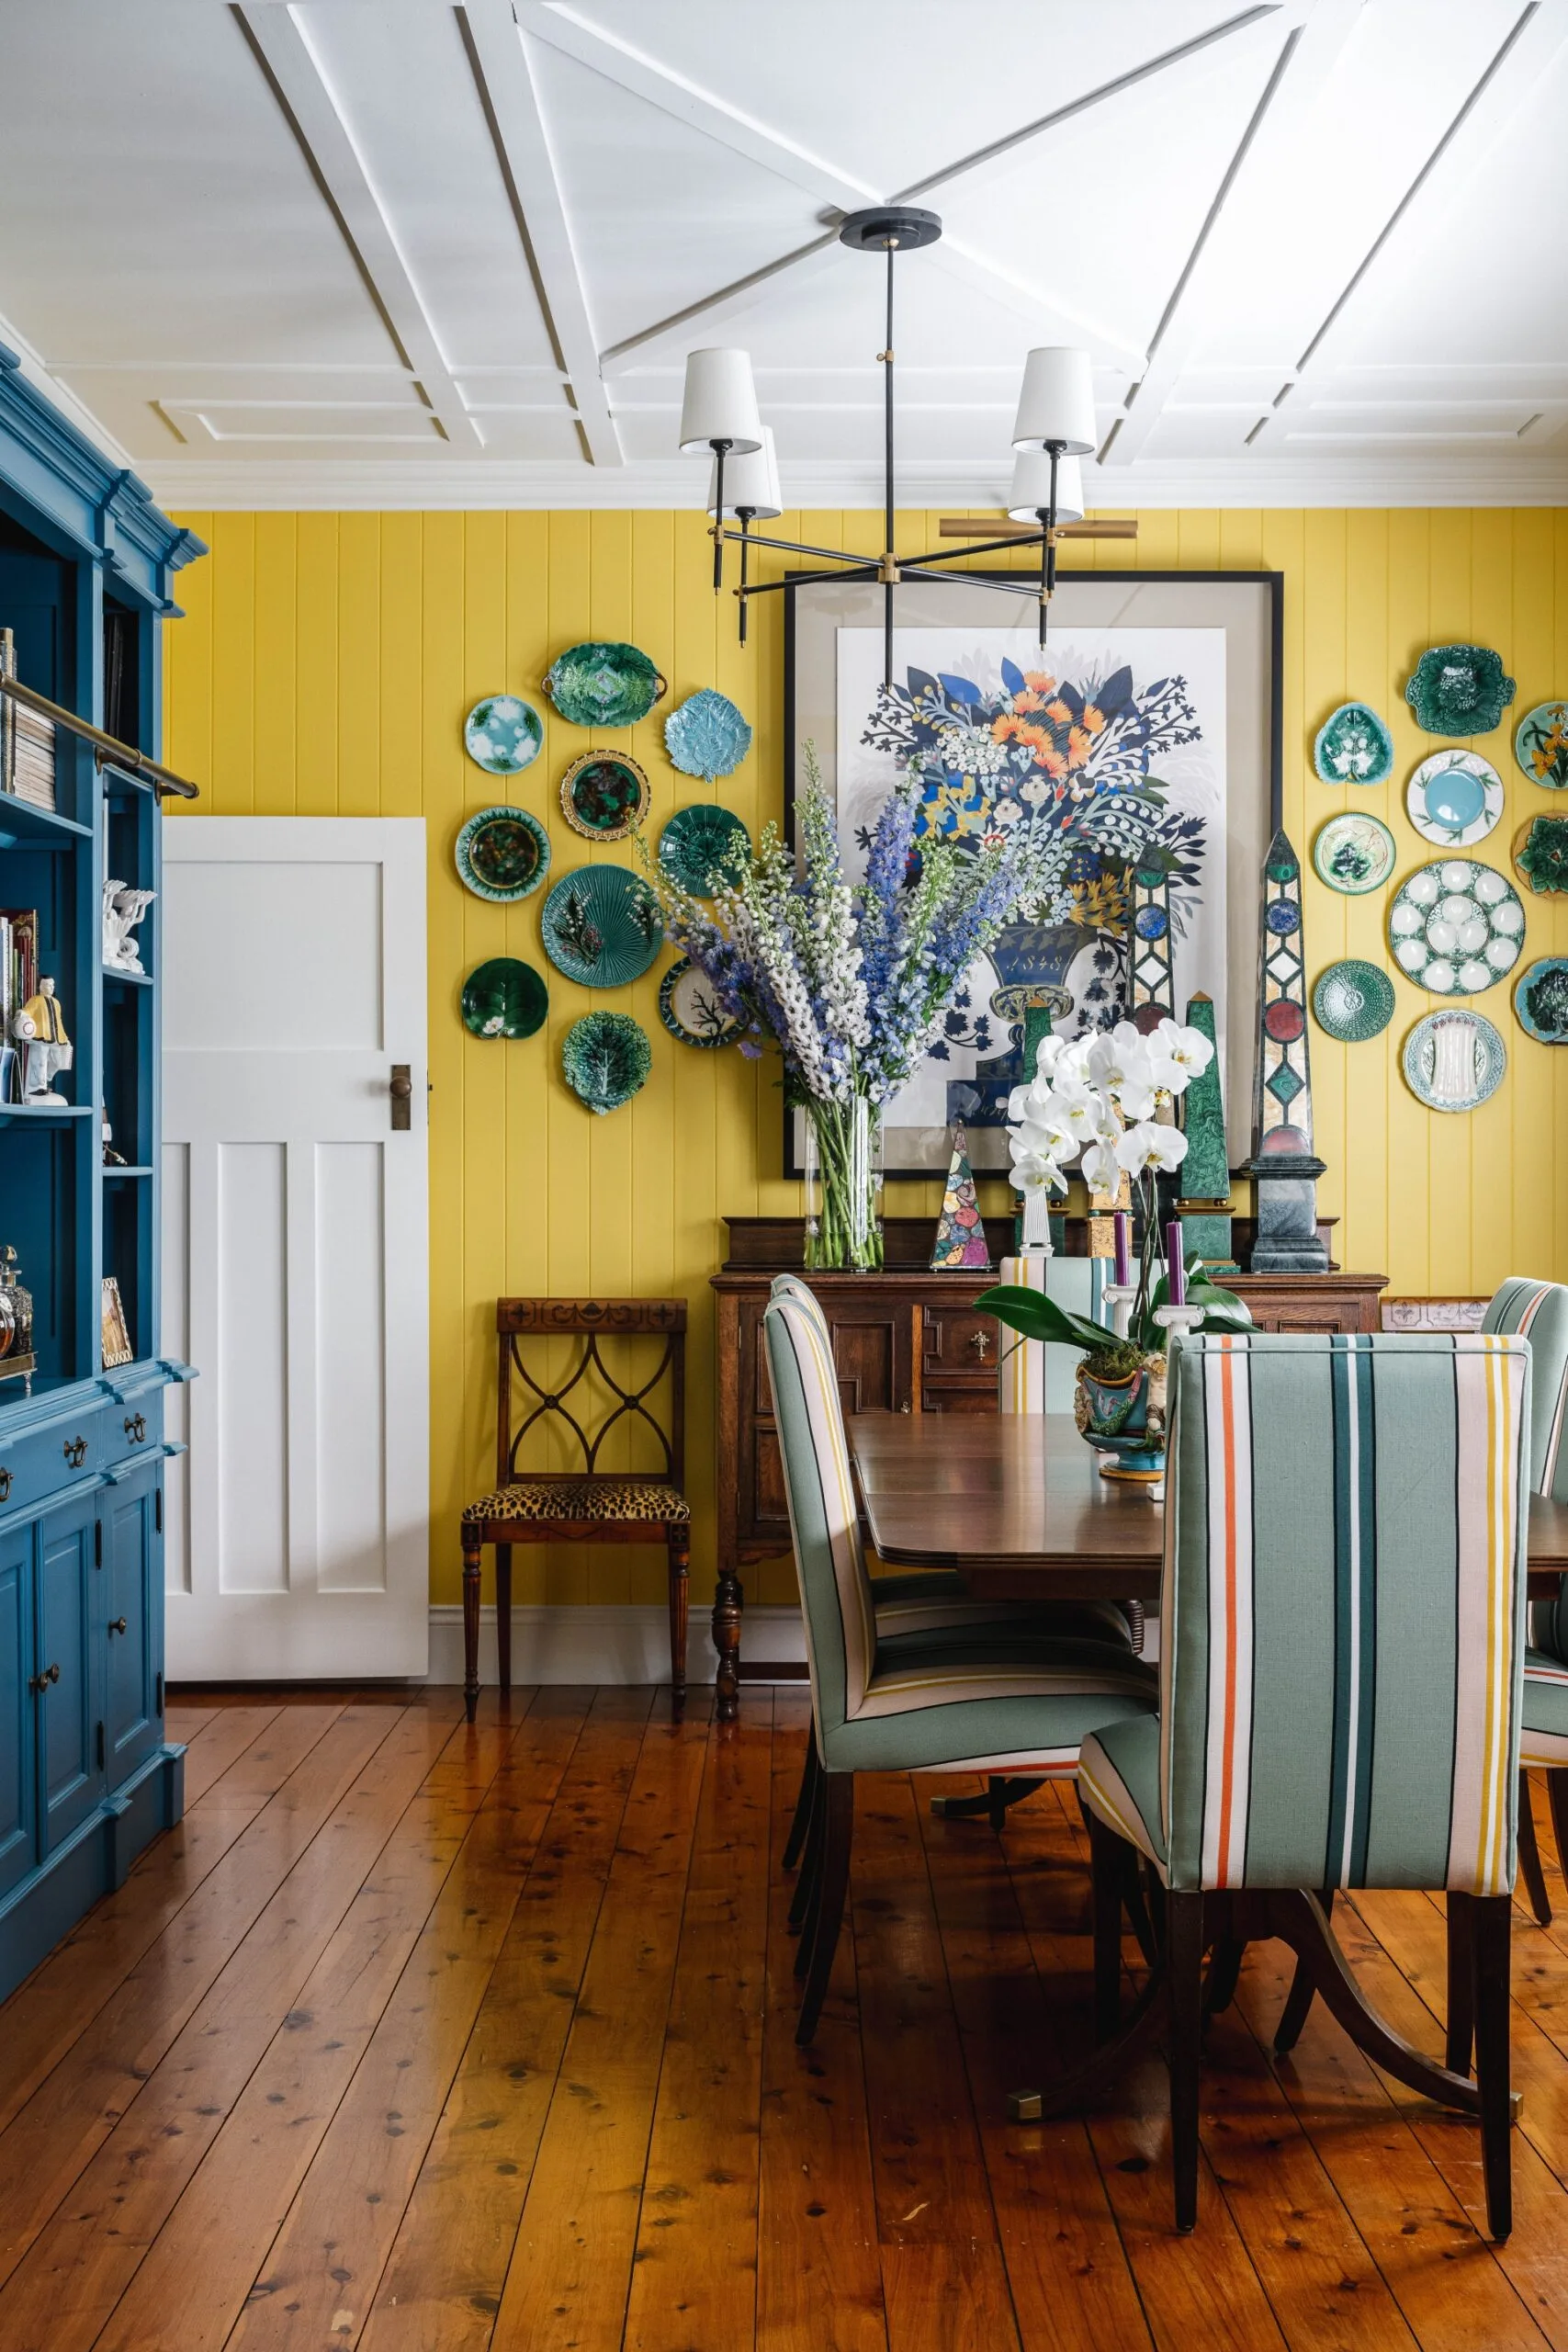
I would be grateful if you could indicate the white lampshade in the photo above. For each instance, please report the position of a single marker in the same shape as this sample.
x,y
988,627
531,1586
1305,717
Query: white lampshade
x,y
751,482
720,404
1030,491
1057,402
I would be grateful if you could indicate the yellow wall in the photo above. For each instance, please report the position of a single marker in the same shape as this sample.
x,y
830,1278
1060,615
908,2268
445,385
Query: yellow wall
x,y
324,668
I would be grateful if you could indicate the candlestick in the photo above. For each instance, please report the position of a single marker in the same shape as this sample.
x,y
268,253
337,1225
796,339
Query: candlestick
x,y
1174,1270
1123,1248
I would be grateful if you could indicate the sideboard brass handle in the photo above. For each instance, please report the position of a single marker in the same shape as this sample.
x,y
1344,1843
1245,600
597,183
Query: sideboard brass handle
x,y
136,1428
5,1486
116,1625
41,1683
980,1344
75,1451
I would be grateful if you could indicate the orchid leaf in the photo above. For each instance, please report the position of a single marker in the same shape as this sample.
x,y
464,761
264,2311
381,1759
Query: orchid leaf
x,y
1039,1317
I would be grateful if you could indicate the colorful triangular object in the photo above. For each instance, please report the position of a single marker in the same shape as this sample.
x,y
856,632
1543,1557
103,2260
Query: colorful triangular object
x,y
961,1243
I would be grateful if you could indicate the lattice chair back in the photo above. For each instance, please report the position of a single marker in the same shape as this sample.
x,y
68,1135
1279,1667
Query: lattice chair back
x,y
600,1400
1342,1616
835,1589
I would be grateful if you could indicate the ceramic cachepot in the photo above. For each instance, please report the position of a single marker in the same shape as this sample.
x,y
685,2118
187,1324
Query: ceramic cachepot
x,y
1124,1418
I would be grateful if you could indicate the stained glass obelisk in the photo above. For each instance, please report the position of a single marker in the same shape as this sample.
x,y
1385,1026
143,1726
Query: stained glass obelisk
x,y
1205,1203
1151,993
1283,1166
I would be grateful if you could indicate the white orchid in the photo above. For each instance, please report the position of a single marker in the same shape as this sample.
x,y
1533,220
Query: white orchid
x,y
1121,1056
1178,1056
1100,1172
1077,1110
1146,1147
1045,1132
1035,1172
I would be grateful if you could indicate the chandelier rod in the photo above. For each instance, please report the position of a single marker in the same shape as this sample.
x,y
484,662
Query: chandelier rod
x,y
889,572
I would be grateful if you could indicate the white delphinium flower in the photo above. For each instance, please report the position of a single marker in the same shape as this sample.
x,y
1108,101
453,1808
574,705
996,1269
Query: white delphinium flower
x,y
1146,1147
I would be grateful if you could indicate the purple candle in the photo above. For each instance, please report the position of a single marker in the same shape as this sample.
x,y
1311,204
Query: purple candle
x,y
1175,1271
1122,1229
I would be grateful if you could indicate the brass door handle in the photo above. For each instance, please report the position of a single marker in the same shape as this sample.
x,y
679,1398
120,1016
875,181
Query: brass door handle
x,y
980,1344
75,1451
399,1086
905,1407
136,1428
116,1625
41,1683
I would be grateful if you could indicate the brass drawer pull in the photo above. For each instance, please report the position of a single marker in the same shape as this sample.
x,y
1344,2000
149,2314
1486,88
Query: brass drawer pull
x,y
75,1451
41,1683
980,1344
116,1625
136,1428
5,1486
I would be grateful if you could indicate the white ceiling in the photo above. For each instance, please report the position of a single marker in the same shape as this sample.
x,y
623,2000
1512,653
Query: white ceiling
x,y
403,252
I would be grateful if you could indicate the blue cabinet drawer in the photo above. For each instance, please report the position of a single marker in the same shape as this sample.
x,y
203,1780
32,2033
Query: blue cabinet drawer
x,y
128,1431
46,1462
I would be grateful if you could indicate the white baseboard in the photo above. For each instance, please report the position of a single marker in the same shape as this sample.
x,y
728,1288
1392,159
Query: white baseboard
x,y
620,1644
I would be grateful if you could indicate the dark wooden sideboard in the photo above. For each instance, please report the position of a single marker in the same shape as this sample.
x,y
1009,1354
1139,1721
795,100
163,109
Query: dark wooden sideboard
x,y
905,1340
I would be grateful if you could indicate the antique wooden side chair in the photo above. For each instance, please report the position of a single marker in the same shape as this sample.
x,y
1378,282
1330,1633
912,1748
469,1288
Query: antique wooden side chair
x,y
584,1503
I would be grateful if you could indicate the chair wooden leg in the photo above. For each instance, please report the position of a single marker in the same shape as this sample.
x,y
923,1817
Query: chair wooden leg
x,y
839,1823
471,1553
803,1908
677,1543
1530,1871
503,1618
811,1772
1107,1866
1298,2001
1557,1795
1460,2030
1184,1947
1491,1920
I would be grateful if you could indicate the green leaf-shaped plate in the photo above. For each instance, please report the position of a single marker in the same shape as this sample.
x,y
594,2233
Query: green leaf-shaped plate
x,y
503,853
602,926
1459,690
505,999
700,842
1353,747
605,1057
596,684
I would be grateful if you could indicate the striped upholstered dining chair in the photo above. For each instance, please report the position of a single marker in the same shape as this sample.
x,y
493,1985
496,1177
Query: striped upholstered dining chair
x,y
963,1702
1341,1650
934,1605
1538,1311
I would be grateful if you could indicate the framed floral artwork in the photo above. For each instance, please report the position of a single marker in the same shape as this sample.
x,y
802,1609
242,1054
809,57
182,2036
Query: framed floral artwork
x,y
1148,733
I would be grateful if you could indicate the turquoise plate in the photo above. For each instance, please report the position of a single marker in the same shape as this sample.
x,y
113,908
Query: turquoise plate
x,y
1541,1000
503,853
503,733
596,684
700,842
606,1058
1454,798
1540,745
602,926
1454,1060
1353,1002
688,1008
1353,746
707,736
505,999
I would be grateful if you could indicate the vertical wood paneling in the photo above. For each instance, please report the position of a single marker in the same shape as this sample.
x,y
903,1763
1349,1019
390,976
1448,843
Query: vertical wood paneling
x,y
325,664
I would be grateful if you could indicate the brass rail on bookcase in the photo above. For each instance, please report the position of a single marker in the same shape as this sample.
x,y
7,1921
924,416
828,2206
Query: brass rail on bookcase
x,y
109,751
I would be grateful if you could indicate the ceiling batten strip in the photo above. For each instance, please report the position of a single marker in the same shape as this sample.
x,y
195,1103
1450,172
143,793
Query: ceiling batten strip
x,y
499,55
294,74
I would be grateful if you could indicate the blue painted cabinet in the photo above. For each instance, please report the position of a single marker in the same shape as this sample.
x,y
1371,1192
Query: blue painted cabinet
x,y
87,566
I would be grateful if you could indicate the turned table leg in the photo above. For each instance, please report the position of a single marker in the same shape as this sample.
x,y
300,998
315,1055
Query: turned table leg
x,y
471,1551
677,1546
729,1600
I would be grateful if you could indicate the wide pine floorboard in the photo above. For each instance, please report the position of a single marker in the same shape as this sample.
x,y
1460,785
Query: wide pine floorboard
x,y
432,2038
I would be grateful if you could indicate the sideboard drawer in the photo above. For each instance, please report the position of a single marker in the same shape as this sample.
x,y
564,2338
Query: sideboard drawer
x,y
47,1460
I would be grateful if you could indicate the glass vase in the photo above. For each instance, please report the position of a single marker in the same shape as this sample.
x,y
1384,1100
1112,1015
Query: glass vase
x,y
843,1187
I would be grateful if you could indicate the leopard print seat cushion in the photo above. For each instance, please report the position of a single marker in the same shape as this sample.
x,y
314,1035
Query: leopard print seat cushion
x,y
607,1498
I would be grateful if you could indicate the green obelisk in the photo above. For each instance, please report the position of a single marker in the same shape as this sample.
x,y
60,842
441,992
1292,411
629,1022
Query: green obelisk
x,y
1204,1205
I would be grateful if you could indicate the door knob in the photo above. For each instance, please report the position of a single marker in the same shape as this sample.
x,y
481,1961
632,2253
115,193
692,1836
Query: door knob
x,y
116,1625
399,1086
41,1683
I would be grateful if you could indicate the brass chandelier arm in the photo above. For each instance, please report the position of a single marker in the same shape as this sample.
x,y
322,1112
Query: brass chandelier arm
x,y
109,751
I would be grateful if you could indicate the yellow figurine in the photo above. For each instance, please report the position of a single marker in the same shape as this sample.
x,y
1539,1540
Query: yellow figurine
x,y
39,1032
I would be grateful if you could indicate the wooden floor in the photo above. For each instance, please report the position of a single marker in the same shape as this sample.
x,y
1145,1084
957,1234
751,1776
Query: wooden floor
x,y
414,2035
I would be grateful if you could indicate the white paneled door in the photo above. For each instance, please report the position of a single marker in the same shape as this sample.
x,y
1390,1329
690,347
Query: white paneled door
x,y
296,1245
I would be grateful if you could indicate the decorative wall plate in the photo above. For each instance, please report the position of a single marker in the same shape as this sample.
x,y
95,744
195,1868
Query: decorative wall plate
x,y
503,853
1454,798
503,733
1540,745
605,1057
1459,690
602,926
700,842
1454,1060
1540,855
1354,853
604,686
1541,1000
707,736
688,1008
1353,746
1456,927
604,796
505,999
1353,1002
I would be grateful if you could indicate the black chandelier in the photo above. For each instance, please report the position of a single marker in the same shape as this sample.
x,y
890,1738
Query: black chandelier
x,y
1052,429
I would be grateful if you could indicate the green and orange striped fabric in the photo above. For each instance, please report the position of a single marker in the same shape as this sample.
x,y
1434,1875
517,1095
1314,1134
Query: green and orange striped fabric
x,y
1342,1618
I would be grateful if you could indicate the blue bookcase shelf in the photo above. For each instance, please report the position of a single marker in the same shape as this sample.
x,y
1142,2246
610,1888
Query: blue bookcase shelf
x,y
86,1777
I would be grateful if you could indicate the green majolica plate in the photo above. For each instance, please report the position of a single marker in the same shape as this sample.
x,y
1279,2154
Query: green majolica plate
x,y
1459,690
1456,927
1353,747
700,844
1354,853
707,736
1540,745
689,1010
602,926
503,733
604,686
1540,855
505,999
1454,1060
606,1058
1353,1002
503,853
604,796
1541,1000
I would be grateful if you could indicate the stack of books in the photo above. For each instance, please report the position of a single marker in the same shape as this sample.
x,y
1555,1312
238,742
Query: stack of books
x,y
18,982
27,742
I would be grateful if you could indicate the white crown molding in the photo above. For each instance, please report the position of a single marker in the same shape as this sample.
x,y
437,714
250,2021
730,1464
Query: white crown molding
x,y
74,410
199,485
620,1644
